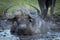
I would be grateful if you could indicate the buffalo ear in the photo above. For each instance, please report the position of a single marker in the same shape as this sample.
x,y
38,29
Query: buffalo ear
x,y
12,19
32,20
29,18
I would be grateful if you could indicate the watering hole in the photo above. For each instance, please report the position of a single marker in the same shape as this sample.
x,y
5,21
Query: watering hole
x,y
50,35
6,35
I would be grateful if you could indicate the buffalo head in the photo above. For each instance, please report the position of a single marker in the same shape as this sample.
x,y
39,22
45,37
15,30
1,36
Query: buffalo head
x,y
25,24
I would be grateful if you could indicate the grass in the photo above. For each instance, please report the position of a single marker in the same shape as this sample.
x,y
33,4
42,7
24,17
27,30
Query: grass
x,y
16,4
23,4
57,8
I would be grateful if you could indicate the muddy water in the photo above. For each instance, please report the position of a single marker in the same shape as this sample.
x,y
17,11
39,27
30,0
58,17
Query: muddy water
x,y
5,30
5,33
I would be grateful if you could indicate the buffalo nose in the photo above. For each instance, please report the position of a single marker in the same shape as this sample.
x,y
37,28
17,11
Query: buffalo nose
x,y
23,26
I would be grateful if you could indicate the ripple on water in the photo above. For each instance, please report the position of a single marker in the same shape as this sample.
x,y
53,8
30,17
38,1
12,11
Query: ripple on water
x,y
5,35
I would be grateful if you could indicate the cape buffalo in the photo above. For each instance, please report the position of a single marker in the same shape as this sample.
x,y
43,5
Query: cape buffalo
x,y
44,5
26,24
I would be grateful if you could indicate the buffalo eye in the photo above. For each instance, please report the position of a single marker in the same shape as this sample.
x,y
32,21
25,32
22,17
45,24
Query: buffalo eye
x,y
30,19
